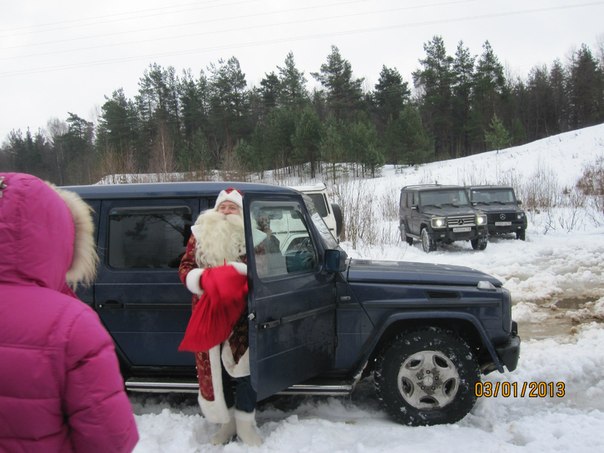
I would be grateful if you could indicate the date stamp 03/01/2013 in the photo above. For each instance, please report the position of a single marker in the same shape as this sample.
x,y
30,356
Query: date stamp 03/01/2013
x,y
533,389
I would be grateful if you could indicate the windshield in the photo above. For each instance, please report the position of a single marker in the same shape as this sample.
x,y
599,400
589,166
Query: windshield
x,y
487,196
448,197
326,235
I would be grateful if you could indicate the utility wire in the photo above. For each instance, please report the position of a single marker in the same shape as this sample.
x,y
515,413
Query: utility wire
x,y
290,39
213,32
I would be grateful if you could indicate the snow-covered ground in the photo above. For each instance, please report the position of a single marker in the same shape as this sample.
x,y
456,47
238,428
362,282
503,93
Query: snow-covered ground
x,y
556,278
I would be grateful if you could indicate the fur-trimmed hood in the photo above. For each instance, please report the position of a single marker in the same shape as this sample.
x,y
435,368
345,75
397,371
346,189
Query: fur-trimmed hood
x,y
46,235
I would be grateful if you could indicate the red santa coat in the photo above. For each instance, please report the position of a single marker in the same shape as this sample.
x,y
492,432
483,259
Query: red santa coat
x,y
215,240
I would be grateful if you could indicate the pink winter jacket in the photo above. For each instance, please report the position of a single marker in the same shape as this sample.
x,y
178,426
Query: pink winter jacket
x,y
60,386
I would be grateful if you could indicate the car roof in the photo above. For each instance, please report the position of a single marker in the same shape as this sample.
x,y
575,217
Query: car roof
x,y
431,187
319,187
488,186
171,189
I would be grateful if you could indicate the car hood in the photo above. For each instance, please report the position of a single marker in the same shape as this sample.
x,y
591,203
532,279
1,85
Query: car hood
x,y
448,211
495,208
405,272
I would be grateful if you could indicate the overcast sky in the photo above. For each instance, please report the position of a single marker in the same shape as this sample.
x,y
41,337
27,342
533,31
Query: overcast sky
x,y
59,57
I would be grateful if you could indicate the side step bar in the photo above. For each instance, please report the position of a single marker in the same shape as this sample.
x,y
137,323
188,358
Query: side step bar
x,y
175,386
161,386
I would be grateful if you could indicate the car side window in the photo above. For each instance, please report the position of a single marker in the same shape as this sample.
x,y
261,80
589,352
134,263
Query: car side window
x,y
288,247
148,237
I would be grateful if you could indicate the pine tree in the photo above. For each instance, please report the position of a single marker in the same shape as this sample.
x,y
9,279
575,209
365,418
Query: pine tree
x,y
489,90
229,108
497,137
306,139
463,73
434,83
293,93
586,89
193,99
343,92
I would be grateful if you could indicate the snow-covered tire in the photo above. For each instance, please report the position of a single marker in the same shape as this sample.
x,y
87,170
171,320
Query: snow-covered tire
x,y
427,377
404,236
337,213
428,242
479,243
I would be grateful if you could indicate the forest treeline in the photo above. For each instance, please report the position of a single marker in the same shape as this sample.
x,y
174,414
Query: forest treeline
x,y
455,105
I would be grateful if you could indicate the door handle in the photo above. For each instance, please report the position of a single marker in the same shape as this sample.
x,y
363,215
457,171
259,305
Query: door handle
x,y
270,324
111,304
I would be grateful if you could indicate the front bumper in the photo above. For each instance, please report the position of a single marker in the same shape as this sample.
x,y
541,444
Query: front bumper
x,y
503,229
450,235
509,353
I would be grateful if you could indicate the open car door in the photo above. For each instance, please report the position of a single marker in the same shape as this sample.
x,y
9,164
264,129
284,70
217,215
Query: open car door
x,y
291,299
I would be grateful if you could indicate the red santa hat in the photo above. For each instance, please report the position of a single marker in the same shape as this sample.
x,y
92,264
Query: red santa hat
x,y
230,194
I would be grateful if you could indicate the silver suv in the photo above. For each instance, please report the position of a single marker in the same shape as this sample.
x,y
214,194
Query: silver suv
x,y
434,213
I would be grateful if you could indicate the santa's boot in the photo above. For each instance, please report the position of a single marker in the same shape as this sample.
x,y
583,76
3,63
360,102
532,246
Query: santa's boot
x,y
226,432
246,428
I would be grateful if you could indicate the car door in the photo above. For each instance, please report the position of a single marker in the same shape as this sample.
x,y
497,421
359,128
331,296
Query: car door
x,y
291,299
414,212
138,294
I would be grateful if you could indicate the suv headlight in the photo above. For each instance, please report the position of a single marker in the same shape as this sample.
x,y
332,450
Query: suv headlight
x,y
520,215
481,219
438,222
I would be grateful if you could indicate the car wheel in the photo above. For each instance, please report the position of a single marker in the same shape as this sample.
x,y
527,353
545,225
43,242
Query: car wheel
x,y
521,235
479,243
337,213
404,237
428,243
427,377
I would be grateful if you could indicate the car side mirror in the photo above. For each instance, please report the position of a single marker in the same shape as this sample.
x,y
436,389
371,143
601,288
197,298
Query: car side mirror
x,y
335,260
519,202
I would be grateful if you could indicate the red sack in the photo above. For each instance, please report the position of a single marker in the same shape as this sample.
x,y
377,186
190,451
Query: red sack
x,y
220,306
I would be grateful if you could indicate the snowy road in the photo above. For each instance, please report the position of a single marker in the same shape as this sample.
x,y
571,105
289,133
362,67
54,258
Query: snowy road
x,y
557,282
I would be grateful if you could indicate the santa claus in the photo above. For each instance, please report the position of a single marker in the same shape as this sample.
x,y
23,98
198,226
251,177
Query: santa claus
x,y
214,269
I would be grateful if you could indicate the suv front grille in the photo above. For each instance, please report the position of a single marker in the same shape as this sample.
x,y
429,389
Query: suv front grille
x,y
460,221
502,216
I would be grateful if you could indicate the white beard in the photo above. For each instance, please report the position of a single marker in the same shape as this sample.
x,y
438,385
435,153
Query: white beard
x,y
220,238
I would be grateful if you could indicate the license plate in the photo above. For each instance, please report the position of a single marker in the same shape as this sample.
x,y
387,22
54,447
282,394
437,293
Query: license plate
x,y
462,229
503,223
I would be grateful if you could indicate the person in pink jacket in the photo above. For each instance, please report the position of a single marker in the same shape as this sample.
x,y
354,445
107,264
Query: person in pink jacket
x,y
60,385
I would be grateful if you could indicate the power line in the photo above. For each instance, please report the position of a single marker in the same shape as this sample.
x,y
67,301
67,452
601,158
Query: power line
x,y
136,14
239,29
142,14
290,39
244,16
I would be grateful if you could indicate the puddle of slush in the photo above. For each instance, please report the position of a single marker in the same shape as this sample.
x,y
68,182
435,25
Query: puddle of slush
x,y
558,322
549,328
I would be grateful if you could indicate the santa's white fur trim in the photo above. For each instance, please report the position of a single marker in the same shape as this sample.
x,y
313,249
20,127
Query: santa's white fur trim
x,y
245,416
192,281
241,268
215,411
85,259
235,369
232,195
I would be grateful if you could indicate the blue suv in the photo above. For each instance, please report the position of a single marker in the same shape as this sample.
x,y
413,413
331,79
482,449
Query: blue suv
x,y
319,322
